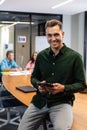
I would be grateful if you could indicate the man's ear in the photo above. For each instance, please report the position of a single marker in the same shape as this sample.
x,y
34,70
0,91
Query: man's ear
x,y
63,34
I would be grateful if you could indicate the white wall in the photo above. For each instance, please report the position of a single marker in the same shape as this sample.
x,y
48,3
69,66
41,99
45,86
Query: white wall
x,y
81,33
67,29
73,27
41,43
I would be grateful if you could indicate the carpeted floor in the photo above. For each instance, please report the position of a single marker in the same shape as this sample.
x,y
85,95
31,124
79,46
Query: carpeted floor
x,y
20,110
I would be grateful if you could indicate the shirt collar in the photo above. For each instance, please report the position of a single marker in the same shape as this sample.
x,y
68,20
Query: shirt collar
x,y
62,50
8,60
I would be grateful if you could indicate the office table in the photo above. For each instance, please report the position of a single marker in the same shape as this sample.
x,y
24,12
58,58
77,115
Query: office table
x,y
12,81
79,108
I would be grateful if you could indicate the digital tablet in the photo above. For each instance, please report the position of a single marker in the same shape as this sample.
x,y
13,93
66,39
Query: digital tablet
x,y
45,84
26,89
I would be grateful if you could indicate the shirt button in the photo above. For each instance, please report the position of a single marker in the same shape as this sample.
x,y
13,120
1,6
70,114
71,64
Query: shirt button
x,y
53,63
52,73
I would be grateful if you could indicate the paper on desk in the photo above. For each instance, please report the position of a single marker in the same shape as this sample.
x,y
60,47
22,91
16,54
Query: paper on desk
x,y
19,73
5,73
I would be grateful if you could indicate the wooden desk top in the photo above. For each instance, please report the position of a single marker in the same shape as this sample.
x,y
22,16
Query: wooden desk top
x,y
10,82
79,108
80,112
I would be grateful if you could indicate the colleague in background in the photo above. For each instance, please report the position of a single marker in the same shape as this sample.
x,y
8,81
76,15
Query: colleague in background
x,y
31,63
63,68
8,64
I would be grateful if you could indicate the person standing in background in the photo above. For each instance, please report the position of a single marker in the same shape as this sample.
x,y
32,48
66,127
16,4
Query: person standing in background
x,y
31,63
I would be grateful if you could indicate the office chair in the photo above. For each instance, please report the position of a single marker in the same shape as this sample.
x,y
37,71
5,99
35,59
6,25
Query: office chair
x,y
1,86
9,104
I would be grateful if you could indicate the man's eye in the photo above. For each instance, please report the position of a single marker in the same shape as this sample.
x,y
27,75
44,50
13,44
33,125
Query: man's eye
x,y
56,34
49,35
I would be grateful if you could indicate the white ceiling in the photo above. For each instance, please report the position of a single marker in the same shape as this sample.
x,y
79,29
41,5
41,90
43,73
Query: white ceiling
x,y
44,6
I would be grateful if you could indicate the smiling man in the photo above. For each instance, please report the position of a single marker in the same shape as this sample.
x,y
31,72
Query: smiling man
x,y
57,75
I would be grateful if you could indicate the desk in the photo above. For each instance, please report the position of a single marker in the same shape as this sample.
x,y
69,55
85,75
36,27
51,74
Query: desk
x,y
80,112
79,108
10,82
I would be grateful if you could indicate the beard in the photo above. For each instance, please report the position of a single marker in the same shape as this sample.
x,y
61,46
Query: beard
x,y
58,40
56,44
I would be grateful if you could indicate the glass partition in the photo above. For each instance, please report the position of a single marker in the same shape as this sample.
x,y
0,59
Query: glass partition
x,y
6,38
24,33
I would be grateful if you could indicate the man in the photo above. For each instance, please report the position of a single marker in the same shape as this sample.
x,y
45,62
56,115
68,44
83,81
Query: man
x,y
57,75
8,64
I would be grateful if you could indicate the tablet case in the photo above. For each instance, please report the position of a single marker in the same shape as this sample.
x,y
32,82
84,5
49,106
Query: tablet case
x,y
26,89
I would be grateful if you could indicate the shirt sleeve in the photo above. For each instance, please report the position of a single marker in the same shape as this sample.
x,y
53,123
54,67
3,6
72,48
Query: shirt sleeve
x,y
14,64
3,65
30,65
79,83
35,77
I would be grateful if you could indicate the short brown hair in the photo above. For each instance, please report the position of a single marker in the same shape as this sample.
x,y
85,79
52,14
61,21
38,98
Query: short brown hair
x,y
52,23
9,52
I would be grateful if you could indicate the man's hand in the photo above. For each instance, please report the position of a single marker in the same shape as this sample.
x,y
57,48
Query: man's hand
x,y
57,88
42,88
53,88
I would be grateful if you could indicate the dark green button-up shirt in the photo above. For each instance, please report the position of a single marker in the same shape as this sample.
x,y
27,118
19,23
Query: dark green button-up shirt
x,y
65,68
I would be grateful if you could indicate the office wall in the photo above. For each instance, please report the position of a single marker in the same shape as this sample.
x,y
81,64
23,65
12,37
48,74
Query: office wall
x,y
6,39
22,48
73,27
77,32
67,29
74,32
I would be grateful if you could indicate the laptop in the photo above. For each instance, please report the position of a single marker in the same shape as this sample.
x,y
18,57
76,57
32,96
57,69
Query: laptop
x,y
26,89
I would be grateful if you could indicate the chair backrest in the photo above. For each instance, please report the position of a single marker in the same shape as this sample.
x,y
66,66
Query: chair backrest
x,y
7,100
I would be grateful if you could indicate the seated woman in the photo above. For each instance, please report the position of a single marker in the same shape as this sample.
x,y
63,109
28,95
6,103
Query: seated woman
x,y
31,63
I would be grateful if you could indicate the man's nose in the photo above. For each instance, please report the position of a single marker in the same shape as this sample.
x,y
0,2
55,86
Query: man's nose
x,y
53,37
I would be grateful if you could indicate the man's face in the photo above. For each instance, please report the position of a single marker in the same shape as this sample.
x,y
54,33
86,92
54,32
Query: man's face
x,y
54,36
10,56
35,56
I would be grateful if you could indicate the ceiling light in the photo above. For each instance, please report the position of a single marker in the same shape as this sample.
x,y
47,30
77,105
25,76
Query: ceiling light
x,y
13,24
63,3
9,22
1,1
